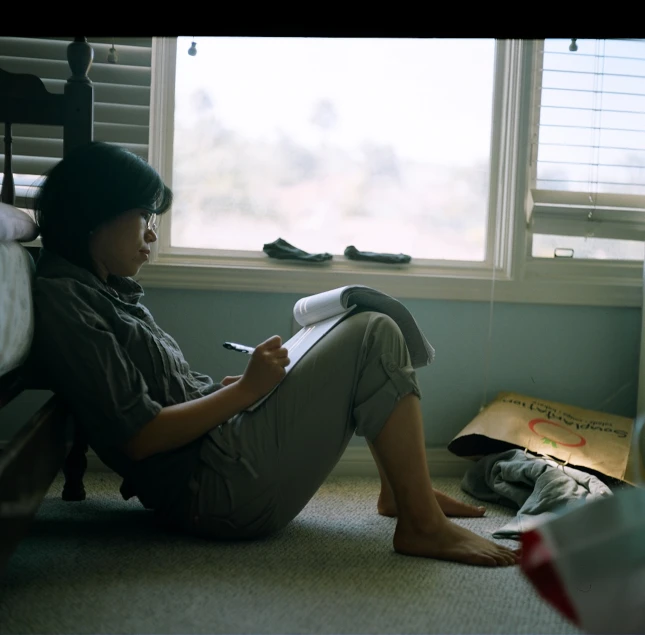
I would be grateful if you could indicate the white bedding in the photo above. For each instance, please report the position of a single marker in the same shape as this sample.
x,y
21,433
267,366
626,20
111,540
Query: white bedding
x,y
16,306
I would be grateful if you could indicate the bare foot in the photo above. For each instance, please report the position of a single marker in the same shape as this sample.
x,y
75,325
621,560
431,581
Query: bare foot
x,y
452,507
386,506
452,542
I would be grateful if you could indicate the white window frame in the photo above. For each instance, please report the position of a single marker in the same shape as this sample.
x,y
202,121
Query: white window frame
x,y
618,216
508,273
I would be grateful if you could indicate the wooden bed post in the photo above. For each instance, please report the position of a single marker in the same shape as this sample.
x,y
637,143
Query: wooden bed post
x,y
74,467
79,108
79,96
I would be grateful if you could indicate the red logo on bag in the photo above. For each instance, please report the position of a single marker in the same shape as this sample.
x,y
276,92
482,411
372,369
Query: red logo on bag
x,y
553,442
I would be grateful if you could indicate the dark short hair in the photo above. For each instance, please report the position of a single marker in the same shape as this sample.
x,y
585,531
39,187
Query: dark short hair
x,y
91,186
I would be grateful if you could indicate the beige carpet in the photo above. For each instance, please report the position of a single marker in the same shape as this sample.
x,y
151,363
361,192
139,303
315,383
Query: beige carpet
x,y
100,566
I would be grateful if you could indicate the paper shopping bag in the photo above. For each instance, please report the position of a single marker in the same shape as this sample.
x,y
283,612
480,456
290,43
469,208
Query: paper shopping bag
x,y
589,563
583,438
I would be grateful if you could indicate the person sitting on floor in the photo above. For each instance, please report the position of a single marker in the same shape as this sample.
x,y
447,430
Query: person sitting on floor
x,y
184,444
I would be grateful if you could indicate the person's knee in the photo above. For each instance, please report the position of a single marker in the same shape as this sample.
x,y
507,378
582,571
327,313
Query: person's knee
x,y
363,336
383,331
373,322
384,322
360,319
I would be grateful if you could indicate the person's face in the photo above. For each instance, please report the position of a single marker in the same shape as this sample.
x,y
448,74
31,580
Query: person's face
x,y
121,246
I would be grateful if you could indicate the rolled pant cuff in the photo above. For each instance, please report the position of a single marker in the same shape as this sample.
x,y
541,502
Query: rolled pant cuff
x,y
371,415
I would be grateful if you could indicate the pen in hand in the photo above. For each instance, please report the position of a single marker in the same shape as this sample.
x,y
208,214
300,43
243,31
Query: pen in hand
x,y
240,348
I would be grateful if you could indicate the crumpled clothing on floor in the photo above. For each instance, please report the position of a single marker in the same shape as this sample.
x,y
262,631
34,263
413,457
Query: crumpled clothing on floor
x,y
539,488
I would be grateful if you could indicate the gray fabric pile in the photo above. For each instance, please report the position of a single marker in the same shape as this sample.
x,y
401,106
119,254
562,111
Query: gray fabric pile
x,y
539,488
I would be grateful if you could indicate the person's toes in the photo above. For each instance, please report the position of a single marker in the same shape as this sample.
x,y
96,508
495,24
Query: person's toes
x,y
503,559
466,509
512,556
510,560
485,560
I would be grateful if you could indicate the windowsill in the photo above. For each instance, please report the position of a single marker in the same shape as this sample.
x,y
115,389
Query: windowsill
x,y
260,274
582,283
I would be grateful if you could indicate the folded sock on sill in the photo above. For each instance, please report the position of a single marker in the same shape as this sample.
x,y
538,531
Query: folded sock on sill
x,y
392,259
283,250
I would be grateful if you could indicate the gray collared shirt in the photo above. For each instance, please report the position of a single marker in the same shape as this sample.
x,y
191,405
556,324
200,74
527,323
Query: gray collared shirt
x,y
99,348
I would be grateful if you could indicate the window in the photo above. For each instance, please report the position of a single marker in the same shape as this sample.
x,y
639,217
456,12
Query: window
x,y
503,268
588,182
384,144
347,170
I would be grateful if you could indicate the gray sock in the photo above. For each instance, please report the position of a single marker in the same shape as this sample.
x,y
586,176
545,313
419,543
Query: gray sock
x,y
282,250
353,254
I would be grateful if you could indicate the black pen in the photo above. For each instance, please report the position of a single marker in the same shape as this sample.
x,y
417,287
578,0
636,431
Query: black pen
x,y
240,348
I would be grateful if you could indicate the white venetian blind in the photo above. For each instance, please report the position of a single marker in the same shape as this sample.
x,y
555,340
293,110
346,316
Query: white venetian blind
x,y
590,139
121,99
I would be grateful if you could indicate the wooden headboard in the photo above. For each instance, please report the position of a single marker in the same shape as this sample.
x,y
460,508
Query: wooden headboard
x,y
25,100
35,454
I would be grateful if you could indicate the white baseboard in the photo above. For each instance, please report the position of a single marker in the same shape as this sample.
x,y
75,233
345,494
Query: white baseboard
x,y
356,461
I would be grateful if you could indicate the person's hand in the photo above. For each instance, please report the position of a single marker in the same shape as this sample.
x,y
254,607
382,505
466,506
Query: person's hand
x,y
230,379
265,368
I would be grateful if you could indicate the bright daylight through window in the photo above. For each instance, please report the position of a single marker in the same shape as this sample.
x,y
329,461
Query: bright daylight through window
x,y
591,149
383,144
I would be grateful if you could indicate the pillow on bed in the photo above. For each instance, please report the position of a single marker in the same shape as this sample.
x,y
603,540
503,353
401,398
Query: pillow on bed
x,y
16,224
16,314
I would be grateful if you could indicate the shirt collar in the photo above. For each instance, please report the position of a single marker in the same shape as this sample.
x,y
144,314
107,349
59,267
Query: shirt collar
x,y
51,265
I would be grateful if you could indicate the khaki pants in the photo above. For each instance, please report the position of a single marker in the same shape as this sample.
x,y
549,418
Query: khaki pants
x,y
260,469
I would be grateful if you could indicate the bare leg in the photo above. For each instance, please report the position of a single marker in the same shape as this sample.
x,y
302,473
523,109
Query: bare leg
x,y
386,505
422,528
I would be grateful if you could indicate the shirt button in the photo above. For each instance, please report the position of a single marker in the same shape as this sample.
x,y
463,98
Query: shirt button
x,y
391,366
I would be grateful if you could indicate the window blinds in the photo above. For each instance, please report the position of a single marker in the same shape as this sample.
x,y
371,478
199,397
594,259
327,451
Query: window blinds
x,y
121,99
589,141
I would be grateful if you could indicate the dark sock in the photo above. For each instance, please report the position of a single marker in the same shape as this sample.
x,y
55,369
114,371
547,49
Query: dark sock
x,y
284,251
353,254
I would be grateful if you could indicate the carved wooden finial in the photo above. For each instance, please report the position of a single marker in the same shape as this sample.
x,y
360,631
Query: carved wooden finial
x,y
79,56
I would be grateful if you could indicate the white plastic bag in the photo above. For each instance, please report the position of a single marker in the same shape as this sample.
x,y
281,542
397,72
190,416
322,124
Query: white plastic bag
x,y
590,561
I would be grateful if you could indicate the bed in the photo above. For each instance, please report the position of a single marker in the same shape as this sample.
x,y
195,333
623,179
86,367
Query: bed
x,y
47,441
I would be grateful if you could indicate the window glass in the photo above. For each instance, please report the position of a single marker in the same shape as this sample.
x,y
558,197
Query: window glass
x,y
379,143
